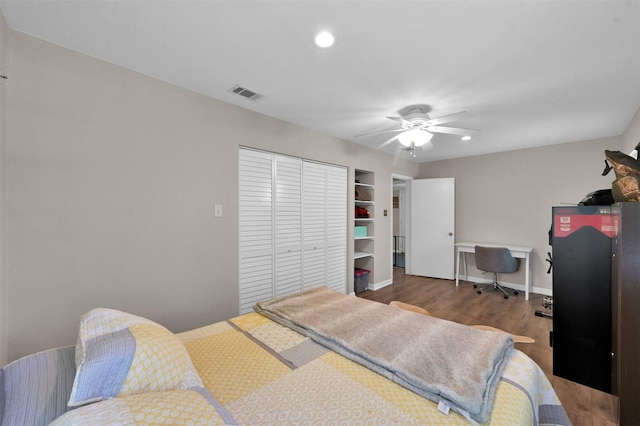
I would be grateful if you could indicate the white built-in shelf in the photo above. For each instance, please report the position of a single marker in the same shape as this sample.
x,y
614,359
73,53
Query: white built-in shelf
x,y
361,254
364,246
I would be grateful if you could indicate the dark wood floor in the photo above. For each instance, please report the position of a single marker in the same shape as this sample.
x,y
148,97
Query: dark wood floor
x,y
585,406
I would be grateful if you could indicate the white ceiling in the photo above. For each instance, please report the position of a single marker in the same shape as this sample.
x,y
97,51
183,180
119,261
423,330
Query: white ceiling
x,y
531,73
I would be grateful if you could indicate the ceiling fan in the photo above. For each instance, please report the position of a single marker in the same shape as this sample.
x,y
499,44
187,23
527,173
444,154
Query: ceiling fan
x,y
417,129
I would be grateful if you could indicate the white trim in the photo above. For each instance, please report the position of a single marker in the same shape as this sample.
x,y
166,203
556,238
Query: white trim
x,y
519,287
401,177
407,224
379,285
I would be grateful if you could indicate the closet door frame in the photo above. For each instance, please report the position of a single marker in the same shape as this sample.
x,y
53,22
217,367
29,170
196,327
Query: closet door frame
x,y
306,223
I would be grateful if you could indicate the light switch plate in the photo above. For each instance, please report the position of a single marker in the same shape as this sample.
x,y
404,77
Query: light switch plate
x,y
218,210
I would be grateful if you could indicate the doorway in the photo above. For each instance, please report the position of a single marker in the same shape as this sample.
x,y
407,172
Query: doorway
x,y
425,247
399,218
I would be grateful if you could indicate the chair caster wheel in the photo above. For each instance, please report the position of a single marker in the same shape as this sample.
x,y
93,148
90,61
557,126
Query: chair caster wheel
x,y
475,286
515,292
506,297
479,292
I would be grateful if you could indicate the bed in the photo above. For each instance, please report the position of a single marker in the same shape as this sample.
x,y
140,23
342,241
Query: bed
x,y
276,367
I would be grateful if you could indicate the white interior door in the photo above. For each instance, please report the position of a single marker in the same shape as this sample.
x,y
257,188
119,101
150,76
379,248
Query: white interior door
x,y
430,234
336,263
256,228
288,225
314,224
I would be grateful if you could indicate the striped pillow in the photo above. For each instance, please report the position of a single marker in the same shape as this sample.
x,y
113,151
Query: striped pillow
x,y
119,354
34,390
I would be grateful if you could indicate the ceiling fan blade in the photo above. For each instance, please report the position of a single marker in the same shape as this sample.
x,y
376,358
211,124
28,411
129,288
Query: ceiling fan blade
x,y
452,130
387,142
379,133
401,120
447,118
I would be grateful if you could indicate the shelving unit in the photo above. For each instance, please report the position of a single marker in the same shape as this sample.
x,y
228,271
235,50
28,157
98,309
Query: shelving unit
x,y
364,221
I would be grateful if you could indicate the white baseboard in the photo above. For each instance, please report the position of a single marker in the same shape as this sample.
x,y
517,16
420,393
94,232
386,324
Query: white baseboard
x,y
542,291
379,285
375,286
519,287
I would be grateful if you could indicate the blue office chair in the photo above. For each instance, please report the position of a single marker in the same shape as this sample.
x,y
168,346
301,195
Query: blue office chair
x,y
497,260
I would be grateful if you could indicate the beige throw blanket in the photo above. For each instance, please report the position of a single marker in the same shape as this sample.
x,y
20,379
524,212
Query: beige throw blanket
x,y
438,359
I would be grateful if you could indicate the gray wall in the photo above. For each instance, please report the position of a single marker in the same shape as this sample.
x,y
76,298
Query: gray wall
x,y
112,178
631,136
506,198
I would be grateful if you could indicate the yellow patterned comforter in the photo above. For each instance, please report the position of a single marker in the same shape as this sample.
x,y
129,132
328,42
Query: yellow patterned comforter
x,y
262,373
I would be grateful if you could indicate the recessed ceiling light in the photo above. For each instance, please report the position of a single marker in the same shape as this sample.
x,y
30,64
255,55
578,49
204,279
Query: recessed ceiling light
x,y
465,138
324,39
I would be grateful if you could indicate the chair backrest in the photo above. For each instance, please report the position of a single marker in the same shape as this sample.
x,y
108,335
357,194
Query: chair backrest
x,y
496,259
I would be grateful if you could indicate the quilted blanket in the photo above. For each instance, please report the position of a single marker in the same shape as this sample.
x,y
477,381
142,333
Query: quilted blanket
x,y
263,373
443,361
258,372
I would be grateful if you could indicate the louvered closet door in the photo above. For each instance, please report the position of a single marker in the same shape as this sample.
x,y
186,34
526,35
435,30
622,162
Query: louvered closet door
x,y
288,222
293,226
314,220
337,228
256,228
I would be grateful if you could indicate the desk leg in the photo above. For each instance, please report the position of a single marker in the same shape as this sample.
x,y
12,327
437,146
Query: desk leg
x,y
527,278
458,268
461,255
464,265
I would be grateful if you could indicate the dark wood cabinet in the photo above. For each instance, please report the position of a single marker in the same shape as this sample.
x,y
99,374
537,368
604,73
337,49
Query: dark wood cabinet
x,y
626,311
581,339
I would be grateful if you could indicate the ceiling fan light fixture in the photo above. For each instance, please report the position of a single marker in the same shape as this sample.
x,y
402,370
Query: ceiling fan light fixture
x,y
418,137
465,138
324,39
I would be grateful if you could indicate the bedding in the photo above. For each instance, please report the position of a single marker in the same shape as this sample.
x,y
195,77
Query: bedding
x,y
175,407
35,389
265,374
422,353
120,354
255,371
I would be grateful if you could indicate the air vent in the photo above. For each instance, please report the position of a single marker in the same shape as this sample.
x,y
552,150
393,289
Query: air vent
x,y
245,93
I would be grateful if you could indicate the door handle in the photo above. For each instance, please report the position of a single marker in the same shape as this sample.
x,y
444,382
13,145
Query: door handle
x,y
451,234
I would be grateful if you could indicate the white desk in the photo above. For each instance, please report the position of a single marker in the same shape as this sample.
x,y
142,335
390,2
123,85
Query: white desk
x,y
520,252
